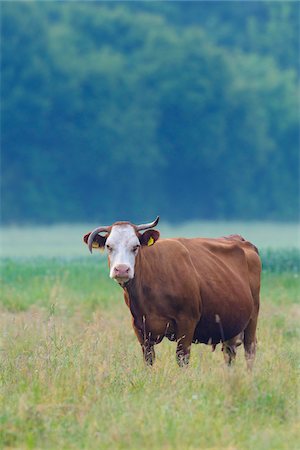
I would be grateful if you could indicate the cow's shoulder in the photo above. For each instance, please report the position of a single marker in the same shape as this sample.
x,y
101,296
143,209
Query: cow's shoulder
x,y
166,253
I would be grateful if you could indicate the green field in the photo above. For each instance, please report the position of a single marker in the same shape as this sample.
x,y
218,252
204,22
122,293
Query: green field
x,y
72,375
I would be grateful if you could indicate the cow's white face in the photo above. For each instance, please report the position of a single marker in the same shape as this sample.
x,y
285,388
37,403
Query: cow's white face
x,y
122,243
122,246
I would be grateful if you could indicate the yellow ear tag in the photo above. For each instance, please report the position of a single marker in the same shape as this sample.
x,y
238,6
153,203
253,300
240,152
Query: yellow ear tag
x,y
151,241
95,244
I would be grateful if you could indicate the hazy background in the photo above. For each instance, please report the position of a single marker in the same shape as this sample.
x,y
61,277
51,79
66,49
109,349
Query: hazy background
x,y
126,110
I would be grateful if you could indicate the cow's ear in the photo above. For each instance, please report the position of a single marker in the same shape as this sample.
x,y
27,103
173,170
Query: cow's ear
x,y
149,237
98,242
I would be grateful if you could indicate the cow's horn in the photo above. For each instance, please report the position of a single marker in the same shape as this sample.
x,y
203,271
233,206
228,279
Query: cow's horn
x,y
145,226
93,234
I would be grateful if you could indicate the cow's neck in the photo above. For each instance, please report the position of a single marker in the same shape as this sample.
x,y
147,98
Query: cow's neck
x,y
137,287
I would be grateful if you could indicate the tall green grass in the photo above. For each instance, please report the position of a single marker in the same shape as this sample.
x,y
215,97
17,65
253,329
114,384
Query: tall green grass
x,y
72,376
76,384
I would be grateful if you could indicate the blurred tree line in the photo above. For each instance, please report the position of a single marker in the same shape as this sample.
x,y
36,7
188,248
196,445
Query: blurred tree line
x,y
125,110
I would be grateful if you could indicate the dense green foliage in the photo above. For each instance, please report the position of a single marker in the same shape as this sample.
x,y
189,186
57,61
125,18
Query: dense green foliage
x,y
72,376
115,110
281,260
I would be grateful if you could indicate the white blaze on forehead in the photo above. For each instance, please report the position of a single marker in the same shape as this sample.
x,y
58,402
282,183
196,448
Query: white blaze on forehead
x,y
121,241
122,235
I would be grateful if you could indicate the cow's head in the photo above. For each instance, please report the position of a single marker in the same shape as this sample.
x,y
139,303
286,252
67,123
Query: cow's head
x,y
122,242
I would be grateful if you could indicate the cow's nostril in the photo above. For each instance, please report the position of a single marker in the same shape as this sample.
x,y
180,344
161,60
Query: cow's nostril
x,y
121,270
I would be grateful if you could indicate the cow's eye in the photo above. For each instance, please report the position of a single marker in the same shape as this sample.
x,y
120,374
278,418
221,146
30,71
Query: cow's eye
x,y
135,248
109,248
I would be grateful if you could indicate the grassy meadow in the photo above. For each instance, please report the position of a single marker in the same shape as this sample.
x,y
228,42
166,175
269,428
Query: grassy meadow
x,y
72,376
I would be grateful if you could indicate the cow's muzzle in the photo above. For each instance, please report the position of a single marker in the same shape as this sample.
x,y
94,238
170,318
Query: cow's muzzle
x,y
121,273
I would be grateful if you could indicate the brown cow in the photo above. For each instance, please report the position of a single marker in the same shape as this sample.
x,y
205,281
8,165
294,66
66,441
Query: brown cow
x,y
188,290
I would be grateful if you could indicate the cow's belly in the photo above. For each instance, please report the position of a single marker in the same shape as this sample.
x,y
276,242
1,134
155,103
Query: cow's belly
x,y
213,334
223,322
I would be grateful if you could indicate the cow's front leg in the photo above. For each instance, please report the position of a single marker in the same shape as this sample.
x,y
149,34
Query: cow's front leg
x,y
148,352
184,336
146,344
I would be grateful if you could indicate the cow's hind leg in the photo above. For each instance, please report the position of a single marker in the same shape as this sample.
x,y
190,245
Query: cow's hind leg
x,y
229,348
250,334
229,352
250,342
250,331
